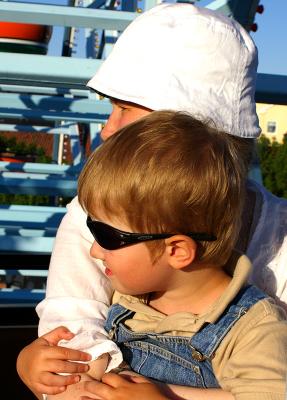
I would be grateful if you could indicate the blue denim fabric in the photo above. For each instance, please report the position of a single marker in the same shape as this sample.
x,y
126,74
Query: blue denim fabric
x,y
177,359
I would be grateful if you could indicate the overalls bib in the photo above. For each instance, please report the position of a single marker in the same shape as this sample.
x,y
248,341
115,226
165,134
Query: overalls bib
x,y
178,360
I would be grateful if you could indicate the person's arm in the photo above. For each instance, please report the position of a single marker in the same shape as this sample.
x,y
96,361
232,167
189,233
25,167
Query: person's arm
x,y
189,393
122,387
96,372
78,292
252,361
74,392
39,364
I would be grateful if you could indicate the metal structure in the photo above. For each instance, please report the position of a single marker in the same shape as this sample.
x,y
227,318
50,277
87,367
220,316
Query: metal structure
x,y
48,94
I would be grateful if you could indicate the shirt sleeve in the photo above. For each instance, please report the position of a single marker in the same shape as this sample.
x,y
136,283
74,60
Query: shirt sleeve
x,y
78,293
267,248
252,360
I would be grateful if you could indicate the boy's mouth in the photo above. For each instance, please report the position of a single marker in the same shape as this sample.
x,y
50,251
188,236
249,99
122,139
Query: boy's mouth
x,y
108,272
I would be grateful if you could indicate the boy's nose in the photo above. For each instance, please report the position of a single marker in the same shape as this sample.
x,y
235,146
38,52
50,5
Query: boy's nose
x,y
97,251
110,127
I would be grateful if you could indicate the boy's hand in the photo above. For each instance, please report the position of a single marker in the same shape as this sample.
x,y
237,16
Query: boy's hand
x,y
39,363
123,387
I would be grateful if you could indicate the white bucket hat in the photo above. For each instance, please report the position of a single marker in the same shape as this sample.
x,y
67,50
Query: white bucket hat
x,y
181,57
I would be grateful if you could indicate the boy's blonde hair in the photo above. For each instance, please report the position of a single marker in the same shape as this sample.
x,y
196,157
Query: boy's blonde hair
x,y
169,172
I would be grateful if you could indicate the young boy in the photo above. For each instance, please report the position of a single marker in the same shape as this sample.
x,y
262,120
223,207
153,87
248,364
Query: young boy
x,y
183,314
165,219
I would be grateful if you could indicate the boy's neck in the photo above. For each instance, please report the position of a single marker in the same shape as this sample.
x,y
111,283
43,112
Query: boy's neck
x,y
192,291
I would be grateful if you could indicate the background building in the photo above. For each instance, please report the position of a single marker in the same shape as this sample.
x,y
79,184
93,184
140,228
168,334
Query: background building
x,y
273,120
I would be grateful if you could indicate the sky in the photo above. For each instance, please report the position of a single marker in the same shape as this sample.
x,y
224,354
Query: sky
x,y
270,38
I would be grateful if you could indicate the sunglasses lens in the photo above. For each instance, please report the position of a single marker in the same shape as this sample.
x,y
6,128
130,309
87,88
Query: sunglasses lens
x,y
105,235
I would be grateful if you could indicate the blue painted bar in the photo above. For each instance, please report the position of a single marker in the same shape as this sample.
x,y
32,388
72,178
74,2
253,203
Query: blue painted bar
x,y
39,168
53,108
25,183
28,229
220,5
65,16
65,129
271,89
55,103
16,231
41,115
23,296
242,11
23,216
77,148
47,90
32,245
37,70
32,209
25,272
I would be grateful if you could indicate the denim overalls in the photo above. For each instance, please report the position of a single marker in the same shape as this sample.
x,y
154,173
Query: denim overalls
x,y
177,359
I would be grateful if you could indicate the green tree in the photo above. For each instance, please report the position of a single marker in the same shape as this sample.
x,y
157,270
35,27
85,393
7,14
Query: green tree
x,y
20,148
280,168
273,162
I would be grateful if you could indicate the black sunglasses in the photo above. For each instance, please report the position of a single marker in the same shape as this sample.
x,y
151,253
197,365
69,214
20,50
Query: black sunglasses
x,y
110,238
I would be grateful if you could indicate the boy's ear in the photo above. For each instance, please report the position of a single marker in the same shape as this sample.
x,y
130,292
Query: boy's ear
x,y
180,250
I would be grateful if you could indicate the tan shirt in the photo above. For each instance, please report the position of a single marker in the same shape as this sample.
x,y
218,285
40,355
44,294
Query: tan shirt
x,y
251,361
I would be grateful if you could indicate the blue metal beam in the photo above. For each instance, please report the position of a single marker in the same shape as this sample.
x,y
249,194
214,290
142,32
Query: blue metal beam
x,y
27,244
29,229
26,272
20,297
53,108
242,10
31,216
24,228
37,70
41,115
271,89
46,90
64,129
54,103
39,168
27,233
45,184
65,16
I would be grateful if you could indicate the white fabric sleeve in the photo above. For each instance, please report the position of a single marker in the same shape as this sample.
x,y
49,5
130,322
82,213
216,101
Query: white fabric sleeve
x,y
267,248
78,292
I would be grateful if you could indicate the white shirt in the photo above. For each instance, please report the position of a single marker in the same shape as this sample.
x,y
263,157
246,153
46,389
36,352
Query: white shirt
x,y
267,248
78,292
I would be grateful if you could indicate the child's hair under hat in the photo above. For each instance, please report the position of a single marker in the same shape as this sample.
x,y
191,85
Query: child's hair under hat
x,y
169,172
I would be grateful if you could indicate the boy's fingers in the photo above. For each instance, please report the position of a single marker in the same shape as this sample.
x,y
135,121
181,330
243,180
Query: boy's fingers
x,y
99,389
90,398
41,388
54,380
75,355
58,334
64,353
113,380
137,379
59,366
85,398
